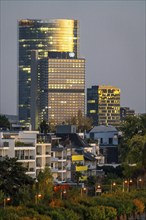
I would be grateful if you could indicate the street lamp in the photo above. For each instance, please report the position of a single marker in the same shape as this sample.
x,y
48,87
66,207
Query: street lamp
x,y
128,183
62,193
83,190
98,189
113,184
37,197
6,200
139,181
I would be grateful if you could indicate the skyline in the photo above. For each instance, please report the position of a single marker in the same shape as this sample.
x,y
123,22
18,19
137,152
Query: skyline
x,y
112,40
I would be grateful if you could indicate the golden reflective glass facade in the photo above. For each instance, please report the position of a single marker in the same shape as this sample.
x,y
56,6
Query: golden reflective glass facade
x,y
103,105
64,93
58,35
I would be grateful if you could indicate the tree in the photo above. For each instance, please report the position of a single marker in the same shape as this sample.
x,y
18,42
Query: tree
x,y
136,147
13,178
44,184
83,123
133,139
77,176
4,122
44,127
144,156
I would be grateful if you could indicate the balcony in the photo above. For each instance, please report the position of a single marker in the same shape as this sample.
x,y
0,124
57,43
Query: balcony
x,y
81,168
61,158
31,170
4,147
22,144
61,169
25,157
54,159
54,170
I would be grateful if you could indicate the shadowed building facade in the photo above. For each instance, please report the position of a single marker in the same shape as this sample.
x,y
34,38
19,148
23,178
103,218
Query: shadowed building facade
x,y
49,50
103,105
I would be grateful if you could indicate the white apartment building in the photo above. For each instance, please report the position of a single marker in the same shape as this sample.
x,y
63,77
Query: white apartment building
x,y
35,153
21,145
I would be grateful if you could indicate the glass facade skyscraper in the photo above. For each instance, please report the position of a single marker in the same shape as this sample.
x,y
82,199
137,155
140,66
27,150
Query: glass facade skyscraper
x,y
51,73
56,35
103,105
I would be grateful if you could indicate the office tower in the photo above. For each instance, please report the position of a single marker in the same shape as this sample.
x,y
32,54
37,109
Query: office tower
x,y
61,92
103,105
126,111
56,35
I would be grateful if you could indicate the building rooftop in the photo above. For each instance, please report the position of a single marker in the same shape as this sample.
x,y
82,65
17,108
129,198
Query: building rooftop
x,y
103,128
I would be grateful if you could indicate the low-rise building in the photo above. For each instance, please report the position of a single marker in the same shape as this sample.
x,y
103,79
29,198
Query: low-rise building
x,y
108,140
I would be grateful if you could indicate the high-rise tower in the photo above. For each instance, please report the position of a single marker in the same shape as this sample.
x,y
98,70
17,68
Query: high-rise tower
x,y
59,38
61,92
103,105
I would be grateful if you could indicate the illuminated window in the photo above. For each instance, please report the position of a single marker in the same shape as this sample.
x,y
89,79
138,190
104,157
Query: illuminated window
x,y
92,111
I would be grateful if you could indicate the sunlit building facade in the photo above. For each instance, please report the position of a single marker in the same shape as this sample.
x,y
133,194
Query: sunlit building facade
x,y
56,35
103,105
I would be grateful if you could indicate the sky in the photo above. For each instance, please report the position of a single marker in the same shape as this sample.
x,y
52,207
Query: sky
x,y
112,40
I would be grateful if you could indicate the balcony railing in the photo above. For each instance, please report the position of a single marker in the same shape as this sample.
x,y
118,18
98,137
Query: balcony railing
x,y
22,144
25,157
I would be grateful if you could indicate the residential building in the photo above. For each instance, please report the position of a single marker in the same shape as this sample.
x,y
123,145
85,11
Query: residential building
x,y
22,146
64,155
108,140
103,105
49,49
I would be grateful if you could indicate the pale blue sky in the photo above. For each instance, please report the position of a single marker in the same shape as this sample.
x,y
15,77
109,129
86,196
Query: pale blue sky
x,y
112,40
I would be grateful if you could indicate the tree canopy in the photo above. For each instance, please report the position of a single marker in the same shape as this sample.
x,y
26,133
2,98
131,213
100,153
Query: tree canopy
x,y
13,177
4,122
133,142
82,122
44,183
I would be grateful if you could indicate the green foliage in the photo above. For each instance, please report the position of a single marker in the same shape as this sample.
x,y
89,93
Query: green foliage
x,y
144,156
134,139
44,186
134,125
4,122
57,215
104,207
101,213
44,127
70,214
21,213
13,178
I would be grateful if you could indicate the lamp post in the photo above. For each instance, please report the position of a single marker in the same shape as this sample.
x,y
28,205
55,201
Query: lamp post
x,y
6,199
98,189
139,181
113,184
37,197
62,193
83,190
128,183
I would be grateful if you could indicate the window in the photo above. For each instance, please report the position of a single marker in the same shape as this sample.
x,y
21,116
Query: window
x,y
6,144
110,141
